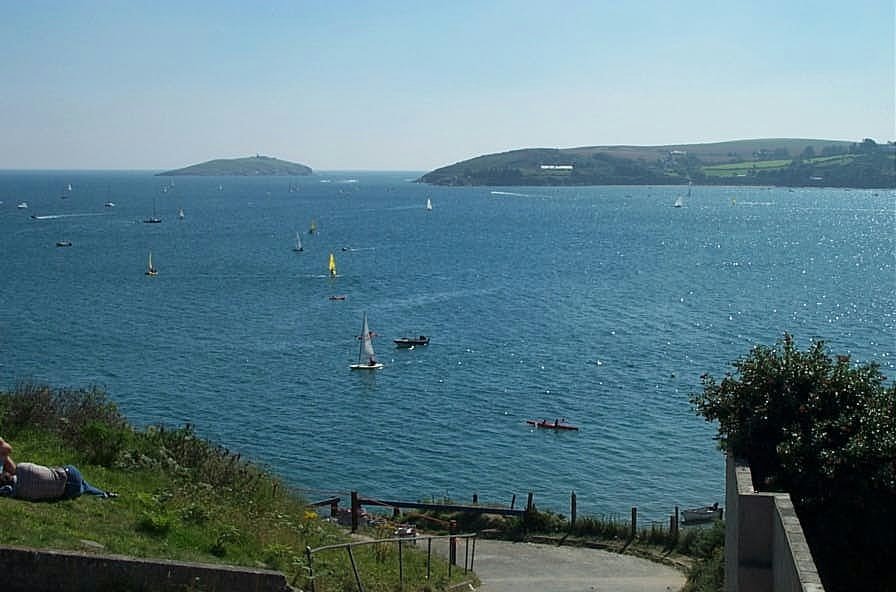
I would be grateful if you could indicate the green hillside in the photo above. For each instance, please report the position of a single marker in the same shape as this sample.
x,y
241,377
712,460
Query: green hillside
x,y
244,167
788,162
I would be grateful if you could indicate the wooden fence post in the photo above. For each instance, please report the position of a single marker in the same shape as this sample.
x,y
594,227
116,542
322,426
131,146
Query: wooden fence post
x,y
513,501
475,499
675,534
452,543
355,511
634,522
527,516
334,509
572,511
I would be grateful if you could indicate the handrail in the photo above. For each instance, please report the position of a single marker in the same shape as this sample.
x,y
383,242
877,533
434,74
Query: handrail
x,y
468,557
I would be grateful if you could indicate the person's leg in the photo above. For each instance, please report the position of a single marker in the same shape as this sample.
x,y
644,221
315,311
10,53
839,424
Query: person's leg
x,y
74,475
73,483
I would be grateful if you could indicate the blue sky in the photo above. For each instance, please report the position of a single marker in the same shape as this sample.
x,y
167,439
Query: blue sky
x,y
415,85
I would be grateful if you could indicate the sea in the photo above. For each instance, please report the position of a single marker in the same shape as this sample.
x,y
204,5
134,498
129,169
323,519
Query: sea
x,y
600,305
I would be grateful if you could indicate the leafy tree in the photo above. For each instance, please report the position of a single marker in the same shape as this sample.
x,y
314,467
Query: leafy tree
x,y
781,154
823,430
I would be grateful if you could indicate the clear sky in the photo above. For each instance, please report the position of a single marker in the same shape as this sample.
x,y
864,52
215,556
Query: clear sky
x,y
418,84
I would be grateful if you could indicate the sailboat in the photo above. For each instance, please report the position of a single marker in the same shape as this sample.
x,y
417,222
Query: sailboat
x,y
313,227
679,201
366,356
154,219
298,248
428,205
150,268
180,213
332,265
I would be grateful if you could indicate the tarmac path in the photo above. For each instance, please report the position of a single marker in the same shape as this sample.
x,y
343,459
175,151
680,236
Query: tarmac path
x,y
504,566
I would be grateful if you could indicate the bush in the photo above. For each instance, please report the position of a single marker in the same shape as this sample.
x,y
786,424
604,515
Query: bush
x,y
824,430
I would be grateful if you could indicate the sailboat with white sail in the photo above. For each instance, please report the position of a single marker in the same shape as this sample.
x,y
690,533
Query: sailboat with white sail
x,y
428,205
154,219
150,268
298,248
679,201
366,356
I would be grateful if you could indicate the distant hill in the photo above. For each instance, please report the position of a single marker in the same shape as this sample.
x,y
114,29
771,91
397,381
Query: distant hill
x,y
788,162
244,167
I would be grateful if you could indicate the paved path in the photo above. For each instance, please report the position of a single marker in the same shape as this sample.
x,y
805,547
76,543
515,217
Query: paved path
x,y
527,567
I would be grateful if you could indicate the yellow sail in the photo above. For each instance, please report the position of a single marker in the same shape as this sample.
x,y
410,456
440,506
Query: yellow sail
x,y
332,265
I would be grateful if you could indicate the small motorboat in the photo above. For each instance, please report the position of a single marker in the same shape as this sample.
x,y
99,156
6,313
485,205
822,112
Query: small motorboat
x,y
64,243
557,424
338,297
411,341
704,514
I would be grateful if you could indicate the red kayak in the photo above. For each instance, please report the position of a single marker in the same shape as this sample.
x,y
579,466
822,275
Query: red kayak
x,y
551,425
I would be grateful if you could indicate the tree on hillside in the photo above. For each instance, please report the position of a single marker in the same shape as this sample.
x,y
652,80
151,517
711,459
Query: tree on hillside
x,y
823,430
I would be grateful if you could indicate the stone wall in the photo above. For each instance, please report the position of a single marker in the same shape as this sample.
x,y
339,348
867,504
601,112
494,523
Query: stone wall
x,y
34,570
765,548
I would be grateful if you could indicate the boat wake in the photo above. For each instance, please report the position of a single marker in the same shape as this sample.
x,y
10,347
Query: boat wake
x,y
57,216
510,193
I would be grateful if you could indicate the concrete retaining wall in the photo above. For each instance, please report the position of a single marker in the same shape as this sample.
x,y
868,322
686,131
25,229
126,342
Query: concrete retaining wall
x,y
33,570
765,548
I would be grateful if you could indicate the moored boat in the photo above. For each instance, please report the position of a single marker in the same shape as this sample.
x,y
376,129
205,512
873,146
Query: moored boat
x,y
557,424
411,341
704,514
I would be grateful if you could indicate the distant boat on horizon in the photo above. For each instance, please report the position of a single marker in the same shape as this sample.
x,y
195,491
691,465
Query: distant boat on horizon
x,y
180,213
298,248
679,201
332,265
428,205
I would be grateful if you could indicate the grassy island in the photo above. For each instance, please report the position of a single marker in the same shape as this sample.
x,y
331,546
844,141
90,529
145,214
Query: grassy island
x,y
252,166
784,162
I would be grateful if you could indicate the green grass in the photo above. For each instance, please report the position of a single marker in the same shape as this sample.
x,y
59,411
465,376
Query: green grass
x,y
732,169
180,497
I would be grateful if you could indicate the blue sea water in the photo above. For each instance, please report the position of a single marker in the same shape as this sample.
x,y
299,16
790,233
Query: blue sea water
x,y
603,305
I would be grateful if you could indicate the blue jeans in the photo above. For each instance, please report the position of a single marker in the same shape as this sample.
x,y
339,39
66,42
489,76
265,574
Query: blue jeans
x,y
75,485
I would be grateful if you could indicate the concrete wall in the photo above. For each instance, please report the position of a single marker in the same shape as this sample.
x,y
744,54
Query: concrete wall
x,y
34,570
765,549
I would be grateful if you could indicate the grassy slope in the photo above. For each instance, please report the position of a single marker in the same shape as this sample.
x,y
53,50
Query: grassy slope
x,y
180,498
671,164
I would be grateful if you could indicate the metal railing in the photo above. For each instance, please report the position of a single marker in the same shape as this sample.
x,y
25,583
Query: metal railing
x,y
469,554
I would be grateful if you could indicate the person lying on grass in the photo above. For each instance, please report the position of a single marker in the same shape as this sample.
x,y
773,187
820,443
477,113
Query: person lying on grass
x,y
33,482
